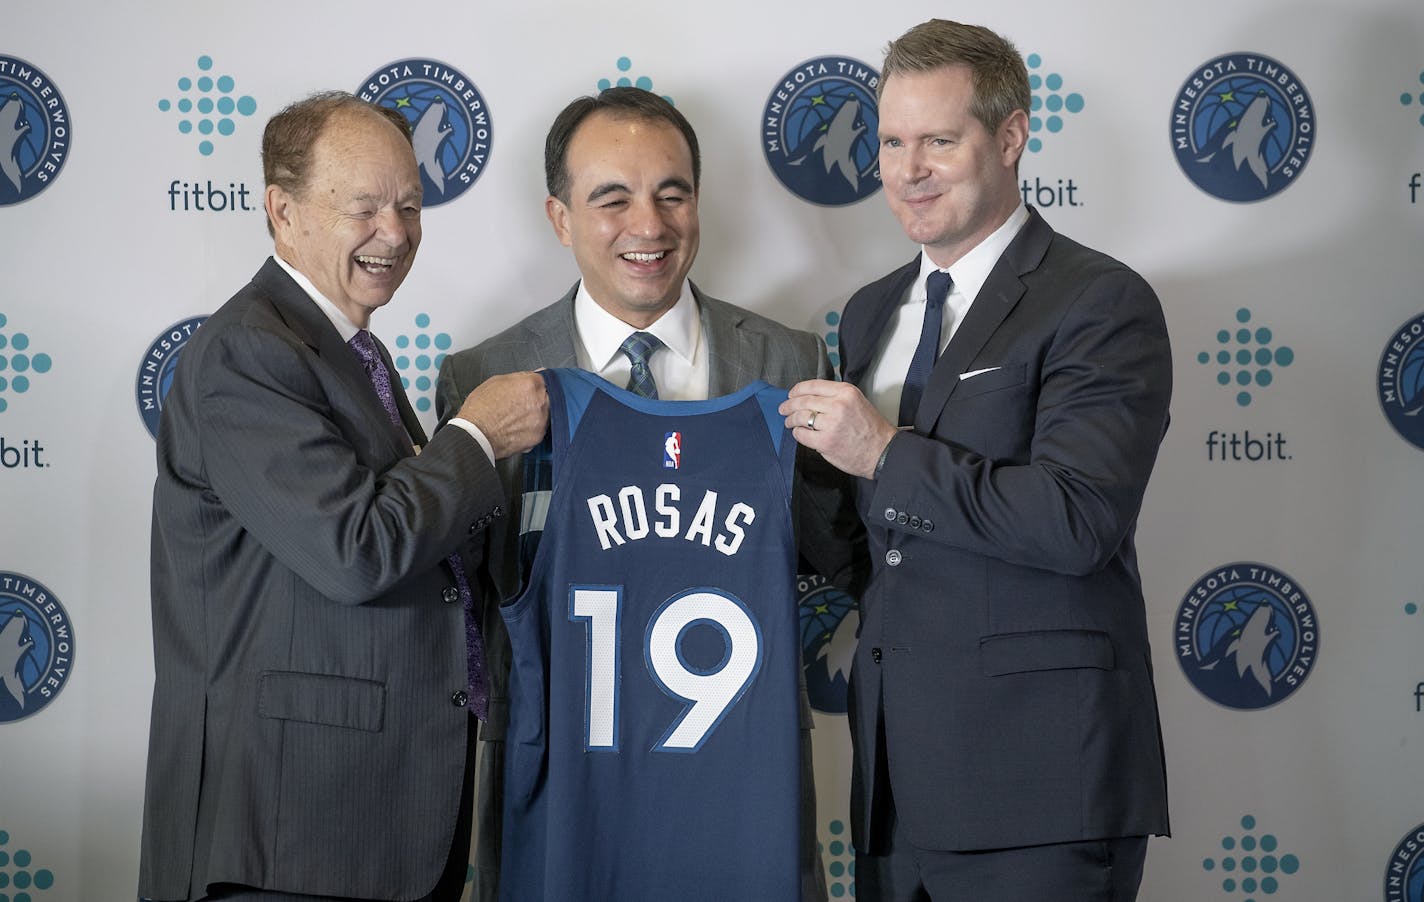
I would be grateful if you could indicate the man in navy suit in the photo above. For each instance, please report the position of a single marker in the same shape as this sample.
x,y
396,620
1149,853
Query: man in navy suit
x,y
1005,396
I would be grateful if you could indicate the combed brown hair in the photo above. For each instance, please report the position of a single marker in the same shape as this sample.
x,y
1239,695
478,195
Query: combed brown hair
x,y
1000,78
624,103
289,136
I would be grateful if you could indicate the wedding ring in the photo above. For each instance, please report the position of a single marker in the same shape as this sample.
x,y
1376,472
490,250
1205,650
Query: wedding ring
x,y
811,420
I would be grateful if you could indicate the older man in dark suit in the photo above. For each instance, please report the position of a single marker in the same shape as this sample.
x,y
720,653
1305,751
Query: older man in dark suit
x,y
623,173
316,683
1007,744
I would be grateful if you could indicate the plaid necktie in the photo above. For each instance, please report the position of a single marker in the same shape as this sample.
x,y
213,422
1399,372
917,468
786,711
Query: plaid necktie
x,y
927,351
365,348
639,347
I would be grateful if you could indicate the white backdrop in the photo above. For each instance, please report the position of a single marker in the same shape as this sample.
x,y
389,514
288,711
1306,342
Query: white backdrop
x,y
1314,797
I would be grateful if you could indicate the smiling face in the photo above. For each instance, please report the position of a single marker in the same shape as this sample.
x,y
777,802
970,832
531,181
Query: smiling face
x,y
948,179
630,215
353,229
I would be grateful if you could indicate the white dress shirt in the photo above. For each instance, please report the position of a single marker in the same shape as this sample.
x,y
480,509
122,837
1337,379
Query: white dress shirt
x,y
681,369
887,375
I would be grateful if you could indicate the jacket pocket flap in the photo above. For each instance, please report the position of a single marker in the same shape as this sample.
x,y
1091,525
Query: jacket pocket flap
x,y
319,698
1045,650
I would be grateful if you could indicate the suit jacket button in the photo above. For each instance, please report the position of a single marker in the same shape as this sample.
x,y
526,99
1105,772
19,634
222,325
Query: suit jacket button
x,y
915,522
459,698
449,594
903,518
875,655
892,557
927,526
890,513
474,528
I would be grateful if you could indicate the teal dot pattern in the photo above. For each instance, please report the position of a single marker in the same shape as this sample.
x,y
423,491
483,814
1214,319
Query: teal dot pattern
x,y
19,364
1410,98
1251,865
623,80
838,856
1050,105
213,110
418,357
1245,357
18,873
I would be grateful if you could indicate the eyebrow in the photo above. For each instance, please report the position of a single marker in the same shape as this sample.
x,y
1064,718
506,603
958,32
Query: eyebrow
x,y
608,188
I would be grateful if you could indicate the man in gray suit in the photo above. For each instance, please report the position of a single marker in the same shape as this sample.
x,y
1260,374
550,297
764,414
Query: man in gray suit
x,y
1006,392
622,170
312,732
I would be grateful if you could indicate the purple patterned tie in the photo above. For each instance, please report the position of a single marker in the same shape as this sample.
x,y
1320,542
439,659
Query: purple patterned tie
x,y
365,348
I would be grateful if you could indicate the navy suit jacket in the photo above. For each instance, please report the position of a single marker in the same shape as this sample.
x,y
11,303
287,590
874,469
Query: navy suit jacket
x,y
1003,653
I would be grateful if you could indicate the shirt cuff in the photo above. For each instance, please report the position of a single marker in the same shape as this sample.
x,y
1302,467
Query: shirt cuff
x,y
475,434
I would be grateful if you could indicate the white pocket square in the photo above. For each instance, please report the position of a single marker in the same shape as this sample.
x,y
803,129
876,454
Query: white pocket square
x,y
972,373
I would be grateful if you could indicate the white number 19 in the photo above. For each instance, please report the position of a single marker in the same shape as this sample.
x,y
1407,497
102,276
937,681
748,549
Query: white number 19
x,y
710,695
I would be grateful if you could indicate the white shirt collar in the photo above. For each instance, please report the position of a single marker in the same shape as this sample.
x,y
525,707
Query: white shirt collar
x,y
343,325
602,333
971,271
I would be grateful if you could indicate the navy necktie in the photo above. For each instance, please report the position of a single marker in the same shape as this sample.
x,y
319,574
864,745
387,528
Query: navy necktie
x,y
365,348
927,351
639,347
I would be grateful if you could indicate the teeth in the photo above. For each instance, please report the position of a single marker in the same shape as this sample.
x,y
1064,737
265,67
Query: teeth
x,y
644,258
376,261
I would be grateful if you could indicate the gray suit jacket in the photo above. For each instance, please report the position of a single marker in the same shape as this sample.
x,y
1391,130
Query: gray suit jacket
x,y
309,729
1003,681
742,347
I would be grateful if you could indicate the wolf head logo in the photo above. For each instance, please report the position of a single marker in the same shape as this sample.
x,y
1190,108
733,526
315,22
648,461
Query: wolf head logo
x,y
428,136
15,645
840,651
13,128
1249,646
1245,137
837,141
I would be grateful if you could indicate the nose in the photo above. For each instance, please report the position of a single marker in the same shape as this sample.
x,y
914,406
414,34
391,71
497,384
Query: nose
x,y
912,164
645,219
393,228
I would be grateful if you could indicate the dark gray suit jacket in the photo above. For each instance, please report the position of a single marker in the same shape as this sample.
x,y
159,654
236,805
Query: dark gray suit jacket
x,y
306,733
742,348
1003,651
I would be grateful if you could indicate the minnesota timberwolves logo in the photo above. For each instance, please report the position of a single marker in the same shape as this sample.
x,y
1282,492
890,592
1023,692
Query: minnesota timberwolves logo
x,y
1401,381
1246,636
34,131
830,626
449,121
155,372
1243,127
819,131
36,647
1404,875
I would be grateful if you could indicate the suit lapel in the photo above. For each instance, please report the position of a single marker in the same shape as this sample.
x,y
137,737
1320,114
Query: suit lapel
x,y
736,357
996,300
309,323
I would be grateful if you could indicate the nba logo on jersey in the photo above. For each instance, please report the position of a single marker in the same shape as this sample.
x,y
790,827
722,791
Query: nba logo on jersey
x,y
672,451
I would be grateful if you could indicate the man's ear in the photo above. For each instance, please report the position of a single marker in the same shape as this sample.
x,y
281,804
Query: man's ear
x,y
558,215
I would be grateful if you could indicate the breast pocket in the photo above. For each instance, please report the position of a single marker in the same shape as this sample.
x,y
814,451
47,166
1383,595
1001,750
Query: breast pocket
x,y
993,413
993,380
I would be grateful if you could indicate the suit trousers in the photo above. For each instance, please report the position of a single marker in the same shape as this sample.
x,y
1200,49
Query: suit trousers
x,y
1101,870
451,885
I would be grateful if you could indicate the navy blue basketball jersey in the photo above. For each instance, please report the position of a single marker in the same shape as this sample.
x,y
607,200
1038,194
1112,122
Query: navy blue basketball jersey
x,y
653,725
